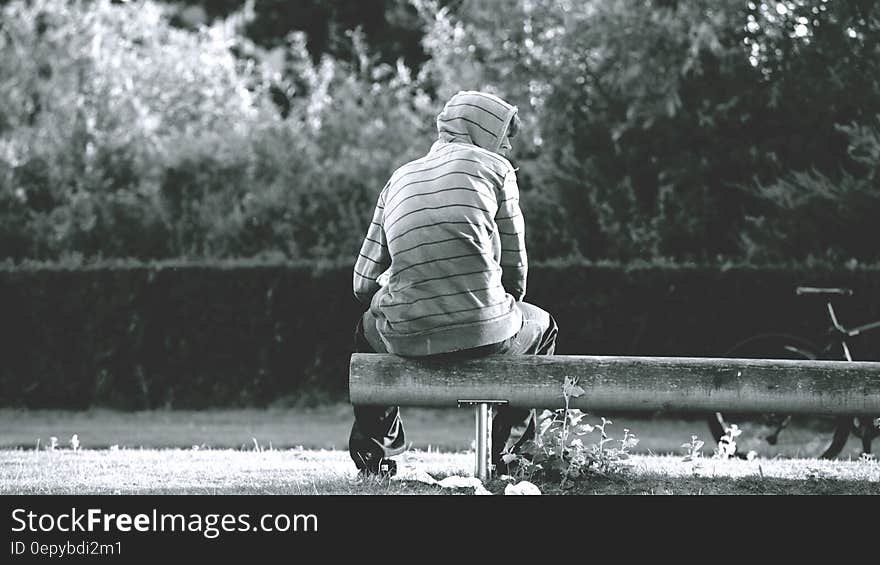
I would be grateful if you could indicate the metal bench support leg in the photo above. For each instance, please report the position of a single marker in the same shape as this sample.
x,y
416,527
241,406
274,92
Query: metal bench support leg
x,y
483,446
483,466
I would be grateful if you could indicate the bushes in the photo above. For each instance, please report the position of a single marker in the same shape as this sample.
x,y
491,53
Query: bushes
x,y
141,336
648,120
810,215
647,127
123,136
235,333
108,95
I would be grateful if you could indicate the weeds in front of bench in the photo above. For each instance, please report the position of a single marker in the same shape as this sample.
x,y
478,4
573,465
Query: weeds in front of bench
x,y
559,452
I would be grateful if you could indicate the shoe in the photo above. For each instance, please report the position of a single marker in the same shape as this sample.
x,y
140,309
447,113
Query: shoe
x,y
385,469
373,464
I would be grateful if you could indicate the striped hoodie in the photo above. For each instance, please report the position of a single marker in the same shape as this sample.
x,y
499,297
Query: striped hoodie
x,y
448,234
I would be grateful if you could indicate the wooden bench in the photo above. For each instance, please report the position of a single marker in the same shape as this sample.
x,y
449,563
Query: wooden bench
x,y
674,384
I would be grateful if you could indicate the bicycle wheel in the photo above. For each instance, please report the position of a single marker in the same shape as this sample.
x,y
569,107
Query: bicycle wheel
x,y
781,434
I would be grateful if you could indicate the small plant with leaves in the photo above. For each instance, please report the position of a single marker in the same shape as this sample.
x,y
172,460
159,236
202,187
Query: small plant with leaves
x,y
694,454
609,455
727,444
558,451
693,449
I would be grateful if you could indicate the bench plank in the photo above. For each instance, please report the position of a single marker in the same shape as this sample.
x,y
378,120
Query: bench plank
x,y
676,384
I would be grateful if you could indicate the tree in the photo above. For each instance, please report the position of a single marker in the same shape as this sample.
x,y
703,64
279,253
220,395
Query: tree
x,y
653,120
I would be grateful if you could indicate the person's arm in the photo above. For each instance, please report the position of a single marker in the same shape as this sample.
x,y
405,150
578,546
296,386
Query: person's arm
x,y
512,232
373,258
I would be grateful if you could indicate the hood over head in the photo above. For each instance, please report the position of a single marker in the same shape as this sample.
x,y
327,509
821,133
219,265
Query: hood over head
x,y
477,118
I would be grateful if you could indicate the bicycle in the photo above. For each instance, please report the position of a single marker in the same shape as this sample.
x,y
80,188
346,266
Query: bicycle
x,y
835,346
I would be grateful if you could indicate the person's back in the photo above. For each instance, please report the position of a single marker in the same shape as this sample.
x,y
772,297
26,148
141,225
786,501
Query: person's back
x,y
448,238
449,230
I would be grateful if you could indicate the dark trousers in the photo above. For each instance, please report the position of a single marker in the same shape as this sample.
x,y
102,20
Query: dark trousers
x,y
378,431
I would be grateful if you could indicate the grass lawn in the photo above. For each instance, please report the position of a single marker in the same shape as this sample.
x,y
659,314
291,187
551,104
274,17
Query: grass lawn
x,y
327,427
302,451
302,472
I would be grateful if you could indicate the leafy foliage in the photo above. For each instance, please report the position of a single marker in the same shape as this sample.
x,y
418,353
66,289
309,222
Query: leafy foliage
x,y
107,96
122,135
694,454
558,452
650,118
812,215
691,130
726,447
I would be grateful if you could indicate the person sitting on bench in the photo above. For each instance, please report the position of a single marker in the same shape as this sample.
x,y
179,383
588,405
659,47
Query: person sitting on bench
x,y
442,270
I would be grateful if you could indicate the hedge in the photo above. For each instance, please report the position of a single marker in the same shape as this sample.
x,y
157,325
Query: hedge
x,y
145,336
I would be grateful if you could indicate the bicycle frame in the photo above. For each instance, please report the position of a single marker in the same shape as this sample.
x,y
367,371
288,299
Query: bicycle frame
x,y
829,349
866,428
843,332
